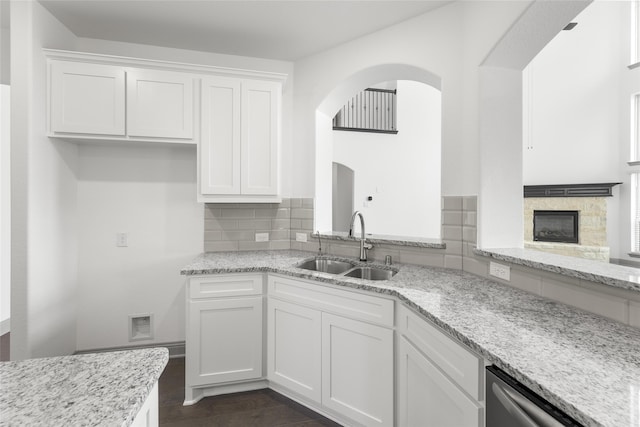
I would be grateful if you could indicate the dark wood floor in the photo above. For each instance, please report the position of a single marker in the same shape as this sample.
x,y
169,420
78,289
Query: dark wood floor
x,y
262,408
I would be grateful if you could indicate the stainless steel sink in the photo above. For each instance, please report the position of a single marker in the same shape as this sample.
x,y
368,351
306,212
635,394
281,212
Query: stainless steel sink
x,y
326,265
371,273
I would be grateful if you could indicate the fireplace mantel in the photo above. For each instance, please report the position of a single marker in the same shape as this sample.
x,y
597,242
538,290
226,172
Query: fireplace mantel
x,y
570,190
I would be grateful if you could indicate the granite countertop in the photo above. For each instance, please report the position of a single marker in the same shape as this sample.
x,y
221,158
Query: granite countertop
x,y
384,239
617,276
585,364
98,389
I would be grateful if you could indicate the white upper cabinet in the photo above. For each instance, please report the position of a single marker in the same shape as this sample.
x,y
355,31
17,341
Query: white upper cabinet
x,y
159,104
238,151
220,136
87,98
260,129
118,102
232,115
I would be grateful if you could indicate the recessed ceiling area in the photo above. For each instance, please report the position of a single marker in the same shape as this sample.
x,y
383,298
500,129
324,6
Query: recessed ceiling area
x,y
284,30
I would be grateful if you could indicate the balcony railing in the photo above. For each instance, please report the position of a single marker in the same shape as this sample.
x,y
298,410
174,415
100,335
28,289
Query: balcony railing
x,y
372,110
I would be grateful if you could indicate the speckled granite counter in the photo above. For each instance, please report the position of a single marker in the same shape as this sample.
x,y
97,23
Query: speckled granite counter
x,y
101,389
608,274
586,365
384,239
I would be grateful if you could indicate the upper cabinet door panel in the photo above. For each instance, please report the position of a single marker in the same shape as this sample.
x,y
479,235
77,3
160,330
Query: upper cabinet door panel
x,y
260,125
159,104
87,98
220,136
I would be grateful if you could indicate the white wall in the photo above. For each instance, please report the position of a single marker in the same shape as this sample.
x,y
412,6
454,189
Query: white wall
x,y
572,93
449,42
500,220
5,210
66,265
43,205
576,97
401,172
150,194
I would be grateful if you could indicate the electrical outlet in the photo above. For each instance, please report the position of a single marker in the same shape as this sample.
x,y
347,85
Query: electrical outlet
x,y
500,271
301,237
262,237
122,240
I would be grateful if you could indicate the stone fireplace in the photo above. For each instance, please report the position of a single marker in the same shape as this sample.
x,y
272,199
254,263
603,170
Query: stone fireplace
x,y
567,220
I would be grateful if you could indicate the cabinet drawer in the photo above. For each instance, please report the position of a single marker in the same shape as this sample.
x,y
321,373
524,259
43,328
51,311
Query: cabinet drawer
x,y
224,286
455,360
350,304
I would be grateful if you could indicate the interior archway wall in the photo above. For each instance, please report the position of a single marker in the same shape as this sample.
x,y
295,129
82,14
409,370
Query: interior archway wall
x,y
325,111
500,202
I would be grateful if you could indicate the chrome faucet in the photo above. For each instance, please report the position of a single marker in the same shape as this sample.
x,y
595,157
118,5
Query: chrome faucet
x,y
363,240
319,243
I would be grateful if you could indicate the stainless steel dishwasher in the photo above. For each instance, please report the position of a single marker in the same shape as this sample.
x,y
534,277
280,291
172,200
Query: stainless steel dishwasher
x,y
510,404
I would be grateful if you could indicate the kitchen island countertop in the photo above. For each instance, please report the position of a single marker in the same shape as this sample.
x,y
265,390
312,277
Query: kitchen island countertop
x,y
97,389
585,364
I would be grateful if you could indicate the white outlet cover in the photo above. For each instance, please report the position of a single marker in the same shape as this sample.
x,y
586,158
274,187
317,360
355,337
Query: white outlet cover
x,y
301,237
262,237
500,271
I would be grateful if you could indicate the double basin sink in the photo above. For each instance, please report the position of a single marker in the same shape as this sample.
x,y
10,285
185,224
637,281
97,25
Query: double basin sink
x,y
347,269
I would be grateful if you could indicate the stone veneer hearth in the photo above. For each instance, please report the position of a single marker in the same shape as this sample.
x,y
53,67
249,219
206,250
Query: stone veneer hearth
x,y
592,226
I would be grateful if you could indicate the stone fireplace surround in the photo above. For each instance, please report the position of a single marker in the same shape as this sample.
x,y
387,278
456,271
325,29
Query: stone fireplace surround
x,y
589,200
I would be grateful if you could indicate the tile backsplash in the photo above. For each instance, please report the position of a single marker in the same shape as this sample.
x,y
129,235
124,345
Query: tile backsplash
x,y
233,227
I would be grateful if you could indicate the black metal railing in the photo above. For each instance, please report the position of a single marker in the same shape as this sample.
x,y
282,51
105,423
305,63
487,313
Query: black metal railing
x,y
372,110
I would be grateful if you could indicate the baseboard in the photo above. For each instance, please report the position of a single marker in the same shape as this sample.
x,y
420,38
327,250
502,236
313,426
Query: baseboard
x,y
5,326
176,349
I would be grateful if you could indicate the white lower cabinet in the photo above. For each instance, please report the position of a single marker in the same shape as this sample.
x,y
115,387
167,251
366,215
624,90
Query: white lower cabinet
x,y
438,381
148,415
357,370
294,347
224,334
331,349
341,364
427,397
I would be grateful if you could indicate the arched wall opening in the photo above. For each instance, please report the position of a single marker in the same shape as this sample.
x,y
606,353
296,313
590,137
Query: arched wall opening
x,y
324,133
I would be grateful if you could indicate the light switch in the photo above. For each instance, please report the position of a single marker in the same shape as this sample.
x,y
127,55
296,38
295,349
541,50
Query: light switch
x,y
122,240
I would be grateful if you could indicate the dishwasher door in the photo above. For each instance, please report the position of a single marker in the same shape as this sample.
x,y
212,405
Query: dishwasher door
x,y
510,404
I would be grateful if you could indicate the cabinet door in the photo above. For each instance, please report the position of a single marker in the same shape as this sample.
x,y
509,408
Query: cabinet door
x,y
148,415
260,133
219,148
159,104
293,342
357,370
426,397
87,98
224,340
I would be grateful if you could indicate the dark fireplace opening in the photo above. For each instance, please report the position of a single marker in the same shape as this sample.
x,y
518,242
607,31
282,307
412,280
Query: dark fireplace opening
x,y
555,226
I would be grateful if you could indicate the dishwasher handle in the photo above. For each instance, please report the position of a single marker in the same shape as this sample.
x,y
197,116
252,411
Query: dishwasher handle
x,y
522,409
512,406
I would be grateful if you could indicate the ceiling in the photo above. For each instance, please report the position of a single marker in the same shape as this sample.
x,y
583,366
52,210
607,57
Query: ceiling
x,y
284,30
